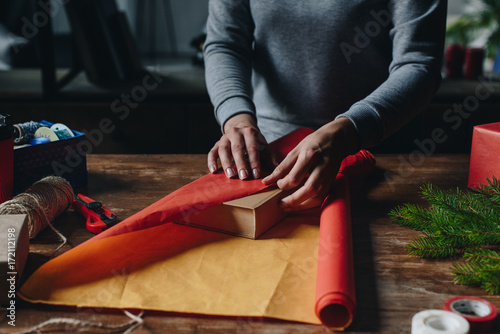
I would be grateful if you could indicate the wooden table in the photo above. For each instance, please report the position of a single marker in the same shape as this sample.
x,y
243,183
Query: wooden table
x,y
391,286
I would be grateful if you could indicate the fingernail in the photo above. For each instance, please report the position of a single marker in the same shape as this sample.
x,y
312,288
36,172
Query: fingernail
x,y
213,169
243,174
255,173
229,172
285,207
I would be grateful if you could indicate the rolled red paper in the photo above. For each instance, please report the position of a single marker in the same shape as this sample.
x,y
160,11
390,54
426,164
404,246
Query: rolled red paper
x,y
335,290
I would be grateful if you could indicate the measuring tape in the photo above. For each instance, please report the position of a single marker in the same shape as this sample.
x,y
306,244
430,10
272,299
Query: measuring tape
x,y
480,313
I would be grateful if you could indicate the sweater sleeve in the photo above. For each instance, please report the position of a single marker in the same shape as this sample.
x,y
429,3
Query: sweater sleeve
x,y
414,74
228,58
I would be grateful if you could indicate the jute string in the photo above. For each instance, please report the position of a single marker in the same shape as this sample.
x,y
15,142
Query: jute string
x,y
44,201
78,326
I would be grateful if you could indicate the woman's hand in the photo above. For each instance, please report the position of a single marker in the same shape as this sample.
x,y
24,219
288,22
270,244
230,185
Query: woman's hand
x,y
243,143
319,155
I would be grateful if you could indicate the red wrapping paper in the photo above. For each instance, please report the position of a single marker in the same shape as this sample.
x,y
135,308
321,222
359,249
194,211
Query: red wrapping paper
x,y
335,290
138,240
485,154
335,294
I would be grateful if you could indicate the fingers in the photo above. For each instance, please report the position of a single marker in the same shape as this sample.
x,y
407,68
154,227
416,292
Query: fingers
x,y
294,168
222,151
281,170
309,195
226,158
212,159
254,141
297,174
312,202
239,153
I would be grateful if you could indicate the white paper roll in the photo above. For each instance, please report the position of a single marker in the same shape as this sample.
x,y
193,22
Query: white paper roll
x,y
439,322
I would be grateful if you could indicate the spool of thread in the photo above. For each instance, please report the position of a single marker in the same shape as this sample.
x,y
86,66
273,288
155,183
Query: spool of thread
x,y
44,201
38,141
26,131
62,131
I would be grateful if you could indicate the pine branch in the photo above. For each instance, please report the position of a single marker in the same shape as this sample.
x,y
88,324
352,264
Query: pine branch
x,y
481,269
412,216
458,223
458,206
492,287
466,274
431,247
483,255
465,214
490,193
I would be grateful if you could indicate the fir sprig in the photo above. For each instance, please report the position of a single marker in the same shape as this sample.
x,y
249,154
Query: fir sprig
x,y
481,269
430,247
458,223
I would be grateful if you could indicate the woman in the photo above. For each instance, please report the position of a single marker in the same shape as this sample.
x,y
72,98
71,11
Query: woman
x,y
355,71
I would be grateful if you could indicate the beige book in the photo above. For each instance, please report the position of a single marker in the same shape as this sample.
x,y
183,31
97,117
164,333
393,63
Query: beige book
x,y
247,217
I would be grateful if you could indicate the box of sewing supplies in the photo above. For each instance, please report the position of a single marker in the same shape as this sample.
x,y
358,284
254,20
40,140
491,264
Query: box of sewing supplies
x,y
44,148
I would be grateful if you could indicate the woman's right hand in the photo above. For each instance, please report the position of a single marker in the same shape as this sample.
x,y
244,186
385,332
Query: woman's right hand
x,y
242,143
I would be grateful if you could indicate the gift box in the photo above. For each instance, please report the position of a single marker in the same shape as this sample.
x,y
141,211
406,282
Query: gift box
x,y
485,154
64,157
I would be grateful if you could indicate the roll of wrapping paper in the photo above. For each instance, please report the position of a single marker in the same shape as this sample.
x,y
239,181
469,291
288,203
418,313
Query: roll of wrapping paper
x,y
335,291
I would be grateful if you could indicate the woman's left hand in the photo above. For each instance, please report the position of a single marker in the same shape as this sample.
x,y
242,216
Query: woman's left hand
x,y
319,155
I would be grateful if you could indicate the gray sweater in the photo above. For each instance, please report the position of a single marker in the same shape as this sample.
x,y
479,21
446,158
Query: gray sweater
x,y
305,62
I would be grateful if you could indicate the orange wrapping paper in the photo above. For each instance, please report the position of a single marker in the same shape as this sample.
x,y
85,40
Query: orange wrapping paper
x,y
110,270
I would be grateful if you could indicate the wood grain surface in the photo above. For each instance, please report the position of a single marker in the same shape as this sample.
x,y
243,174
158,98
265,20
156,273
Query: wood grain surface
x,y
390,285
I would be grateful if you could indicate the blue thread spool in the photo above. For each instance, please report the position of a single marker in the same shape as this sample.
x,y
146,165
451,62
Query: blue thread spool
x,y
26,131
39,140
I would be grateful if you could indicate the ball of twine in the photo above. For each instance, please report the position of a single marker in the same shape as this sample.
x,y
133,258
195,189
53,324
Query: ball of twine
x,y
44,201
